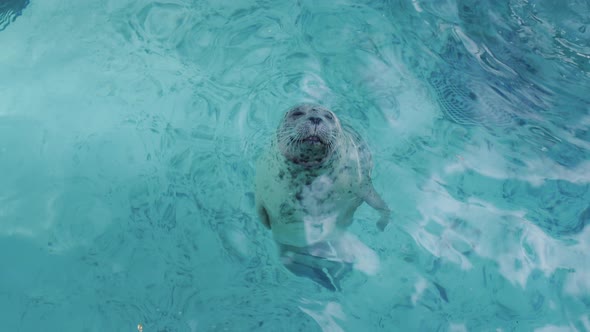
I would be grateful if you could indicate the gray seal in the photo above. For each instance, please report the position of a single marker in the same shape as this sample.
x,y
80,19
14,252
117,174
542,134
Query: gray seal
x,y
309,182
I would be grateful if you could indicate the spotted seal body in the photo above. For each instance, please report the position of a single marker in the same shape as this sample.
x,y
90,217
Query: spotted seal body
x,y
311,180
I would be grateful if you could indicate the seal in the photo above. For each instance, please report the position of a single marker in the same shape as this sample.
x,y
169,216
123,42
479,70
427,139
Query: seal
x,y
309,183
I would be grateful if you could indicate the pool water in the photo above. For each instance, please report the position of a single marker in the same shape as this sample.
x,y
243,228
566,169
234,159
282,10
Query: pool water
x,y
129,131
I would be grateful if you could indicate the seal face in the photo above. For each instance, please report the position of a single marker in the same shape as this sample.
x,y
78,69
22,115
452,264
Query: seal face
x,y
308,135
309,183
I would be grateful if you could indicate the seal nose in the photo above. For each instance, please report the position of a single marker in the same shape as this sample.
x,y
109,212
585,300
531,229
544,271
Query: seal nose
x,y
315,120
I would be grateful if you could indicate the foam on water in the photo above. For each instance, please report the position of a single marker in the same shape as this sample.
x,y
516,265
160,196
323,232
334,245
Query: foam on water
x,y
129,132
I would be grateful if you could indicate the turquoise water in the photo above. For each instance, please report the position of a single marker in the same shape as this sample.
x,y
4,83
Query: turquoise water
x,y
129,132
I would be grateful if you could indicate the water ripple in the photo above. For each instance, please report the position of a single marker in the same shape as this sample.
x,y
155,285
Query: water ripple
x,y
127,160
10,10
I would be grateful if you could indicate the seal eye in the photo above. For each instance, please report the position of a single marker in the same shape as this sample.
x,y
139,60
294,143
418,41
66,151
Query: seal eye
x,y
296,114
330,117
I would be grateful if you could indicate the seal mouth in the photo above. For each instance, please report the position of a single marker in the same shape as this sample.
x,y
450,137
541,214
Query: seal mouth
x,y
313,139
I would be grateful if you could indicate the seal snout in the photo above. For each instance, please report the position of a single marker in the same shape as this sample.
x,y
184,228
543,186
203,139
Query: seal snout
x,y
315,120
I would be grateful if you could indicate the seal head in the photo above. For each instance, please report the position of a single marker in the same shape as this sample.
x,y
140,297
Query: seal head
x,y
308,135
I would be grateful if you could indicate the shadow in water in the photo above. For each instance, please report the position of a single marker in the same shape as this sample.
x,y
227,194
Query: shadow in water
x,y
10,10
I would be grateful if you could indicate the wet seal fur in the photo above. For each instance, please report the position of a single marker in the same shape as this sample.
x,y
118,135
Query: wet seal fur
x,y
309,183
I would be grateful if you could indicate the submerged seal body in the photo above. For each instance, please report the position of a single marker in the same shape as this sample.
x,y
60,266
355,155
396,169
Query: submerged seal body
x,y
309,183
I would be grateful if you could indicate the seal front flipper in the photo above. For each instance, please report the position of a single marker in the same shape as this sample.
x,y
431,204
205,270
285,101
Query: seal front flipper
x,y
375,201
263,215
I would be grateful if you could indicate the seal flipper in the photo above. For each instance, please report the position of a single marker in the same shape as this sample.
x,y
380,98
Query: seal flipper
x,y
373,198
263,215
325,272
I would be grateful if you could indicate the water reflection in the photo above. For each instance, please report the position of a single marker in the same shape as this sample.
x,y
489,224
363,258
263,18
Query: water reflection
x,y
326,315
454,228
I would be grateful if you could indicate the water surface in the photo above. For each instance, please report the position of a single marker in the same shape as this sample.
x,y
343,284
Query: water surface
x,y
129,132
